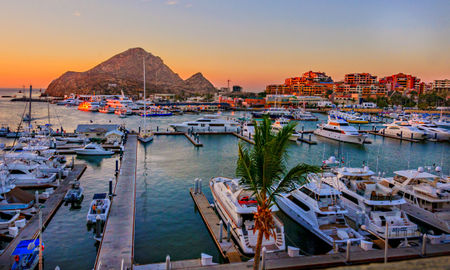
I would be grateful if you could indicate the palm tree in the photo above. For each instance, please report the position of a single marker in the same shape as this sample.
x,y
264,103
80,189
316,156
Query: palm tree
x,y
263,170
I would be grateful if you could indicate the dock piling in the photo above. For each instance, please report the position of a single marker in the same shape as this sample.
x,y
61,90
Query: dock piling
x,y
220,231
36,197
228,231
117,168
424,244
168,266
110,187
347,255
386,244
200,186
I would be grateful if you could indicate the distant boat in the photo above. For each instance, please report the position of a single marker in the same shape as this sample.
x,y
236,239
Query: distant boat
x,y
93,149
145,136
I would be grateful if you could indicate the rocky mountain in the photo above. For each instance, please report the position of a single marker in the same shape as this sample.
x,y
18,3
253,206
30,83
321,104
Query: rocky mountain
x,y
124,71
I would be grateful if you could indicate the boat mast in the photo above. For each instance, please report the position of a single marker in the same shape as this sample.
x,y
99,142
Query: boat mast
x,y
145,102
29,108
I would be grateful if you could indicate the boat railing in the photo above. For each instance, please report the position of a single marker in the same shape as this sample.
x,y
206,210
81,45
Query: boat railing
x,y
395,231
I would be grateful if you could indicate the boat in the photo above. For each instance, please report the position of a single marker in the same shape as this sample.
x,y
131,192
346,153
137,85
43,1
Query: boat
x,y
237,207
403,129
26,255
93,149
273,113
371,205
106,109
432,131
280,123
248,129
89,106
208,123
78,139
427,196
75,194
339,130
24,174
302,115
4,130
7,219
99,207
317,207
144,135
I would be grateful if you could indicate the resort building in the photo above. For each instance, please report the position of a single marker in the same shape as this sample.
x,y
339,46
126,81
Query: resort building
x,y
360,78
401,82
442,86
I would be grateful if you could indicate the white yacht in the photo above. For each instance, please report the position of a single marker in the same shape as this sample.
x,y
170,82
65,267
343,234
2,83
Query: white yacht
x,y
87,106
432,131
303,115
23,174
403,129
248,129
208,123
371,204
282,122
427,196
317,207
145,135
237,206
93,149
99,207
339,130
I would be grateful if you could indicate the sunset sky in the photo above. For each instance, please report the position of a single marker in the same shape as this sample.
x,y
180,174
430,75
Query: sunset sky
x,y
252,43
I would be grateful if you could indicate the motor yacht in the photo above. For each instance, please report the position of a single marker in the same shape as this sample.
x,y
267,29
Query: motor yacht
x,y
89,106
237,206
24,174
302,115
370,204
403,129
93,149
339,130
248,129
106,109
432,131
208,123
273,113
280,123
427,196
317,207
99,207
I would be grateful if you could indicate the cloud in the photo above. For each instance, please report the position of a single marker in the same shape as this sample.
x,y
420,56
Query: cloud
x,y
76,13
172,2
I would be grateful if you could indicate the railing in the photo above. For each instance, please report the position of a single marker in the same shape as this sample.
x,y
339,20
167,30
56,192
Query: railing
x,y
395,231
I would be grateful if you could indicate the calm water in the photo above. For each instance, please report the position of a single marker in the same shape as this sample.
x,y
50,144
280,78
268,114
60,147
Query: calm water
x,y
166,220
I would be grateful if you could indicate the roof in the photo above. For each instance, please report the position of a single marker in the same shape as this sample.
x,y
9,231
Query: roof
x,y
22,247
120,133
414,174
96,128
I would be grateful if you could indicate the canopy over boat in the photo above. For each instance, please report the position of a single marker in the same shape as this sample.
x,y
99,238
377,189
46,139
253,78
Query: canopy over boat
x,y
22,247
99,196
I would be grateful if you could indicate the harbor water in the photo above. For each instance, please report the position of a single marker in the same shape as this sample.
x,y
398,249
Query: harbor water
x,y
167,222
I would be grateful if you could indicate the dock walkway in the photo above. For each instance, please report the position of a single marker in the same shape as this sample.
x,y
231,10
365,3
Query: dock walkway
x,y
227,248
31,229
116,249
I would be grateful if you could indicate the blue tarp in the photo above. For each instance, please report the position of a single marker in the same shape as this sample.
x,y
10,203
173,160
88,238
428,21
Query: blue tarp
x,y
22,247
99,196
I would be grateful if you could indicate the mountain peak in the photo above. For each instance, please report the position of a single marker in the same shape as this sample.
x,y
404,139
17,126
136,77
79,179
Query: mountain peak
x,y
123,71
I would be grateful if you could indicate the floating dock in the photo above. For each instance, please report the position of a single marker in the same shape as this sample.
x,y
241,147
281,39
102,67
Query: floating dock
x,y
227,249
116,250
31,229
394,137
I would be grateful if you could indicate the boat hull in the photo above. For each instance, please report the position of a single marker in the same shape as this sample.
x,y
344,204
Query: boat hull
x,y
340,137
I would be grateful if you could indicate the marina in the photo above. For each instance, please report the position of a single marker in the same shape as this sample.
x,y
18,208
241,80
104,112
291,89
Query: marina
x,y
161,172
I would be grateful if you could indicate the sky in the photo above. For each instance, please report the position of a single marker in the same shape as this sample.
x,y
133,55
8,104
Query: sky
x,y
250,42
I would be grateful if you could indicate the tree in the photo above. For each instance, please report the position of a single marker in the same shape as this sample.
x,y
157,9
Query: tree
x,y
263,170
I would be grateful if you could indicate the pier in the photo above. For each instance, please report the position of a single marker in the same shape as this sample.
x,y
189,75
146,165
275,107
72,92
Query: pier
x,y
116,249
375,133
227,248
51,205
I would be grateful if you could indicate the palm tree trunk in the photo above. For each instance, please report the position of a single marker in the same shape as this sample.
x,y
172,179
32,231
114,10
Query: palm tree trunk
x,y
258,250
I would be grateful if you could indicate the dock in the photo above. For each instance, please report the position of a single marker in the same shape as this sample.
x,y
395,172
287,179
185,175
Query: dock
x,y
31,229
306,140
243,138
227,249
116,250
394,137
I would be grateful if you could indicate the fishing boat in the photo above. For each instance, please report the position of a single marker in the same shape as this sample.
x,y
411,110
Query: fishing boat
x,y
26,255
145,136
237,207
208,123
317,207
370,205
339,130
93,149
75,194
427,196
403,129
99,207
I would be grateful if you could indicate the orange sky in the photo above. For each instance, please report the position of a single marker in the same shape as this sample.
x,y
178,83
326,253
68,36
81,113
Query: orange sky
x,y
43,39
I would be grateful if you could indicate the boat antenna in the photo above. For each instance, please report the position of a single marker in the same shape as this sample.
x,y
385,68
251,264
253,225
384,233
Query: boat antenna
x,y
145,103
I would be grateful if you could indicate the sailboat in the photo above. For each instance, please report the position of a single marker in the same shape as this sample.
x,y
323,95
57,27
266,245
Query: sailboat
x,y
144,135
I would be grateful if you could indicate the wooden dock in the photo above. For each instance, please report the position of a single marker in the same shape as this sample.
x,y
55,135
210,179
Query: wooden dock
x,y
31,229
393,137
306,140
243,138
196,144
116,250
227,249
192,140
